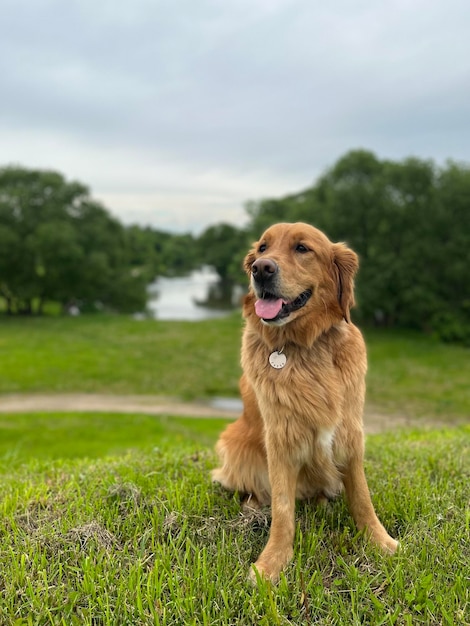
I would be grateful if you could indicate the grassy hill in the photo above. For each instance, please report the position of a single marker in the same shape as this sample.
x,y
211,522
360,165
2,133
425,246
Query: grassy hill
x,y
112,519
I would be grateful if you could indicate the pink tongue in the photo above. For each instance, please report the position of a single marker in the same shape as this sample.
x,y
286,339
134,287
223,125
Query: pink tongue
x,y
268,309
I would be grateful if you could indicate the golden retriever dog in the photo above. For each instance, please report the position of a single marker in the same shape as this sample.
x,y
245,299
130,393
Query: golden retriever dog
x,y
304,363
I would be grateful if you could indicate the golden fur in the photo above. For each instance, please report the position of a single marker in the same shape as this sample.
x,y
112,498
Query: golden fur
x,y
300,434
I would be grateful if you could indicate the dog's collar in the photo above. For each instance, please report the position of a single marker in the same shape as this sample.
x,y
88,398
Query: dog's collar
x,y
278,359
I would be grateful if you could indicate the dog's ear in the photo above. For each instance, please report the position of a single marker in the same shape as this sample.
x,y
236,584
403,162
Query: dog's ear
x,y
345,265
249,260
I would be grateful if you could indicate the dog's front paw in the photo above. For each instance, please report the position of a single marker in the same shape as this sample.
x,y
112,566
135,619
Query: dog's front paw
x,y
260,572
269,566
383,540
390,546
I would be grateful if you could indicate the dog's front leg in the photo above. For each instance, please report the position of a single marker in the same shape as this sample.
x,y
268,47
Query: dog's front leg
x,y
283,474
361,507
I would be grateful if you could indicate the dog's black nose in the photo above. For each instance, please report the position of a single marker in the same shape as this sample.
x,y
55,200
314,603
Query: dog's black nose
x,y
263,269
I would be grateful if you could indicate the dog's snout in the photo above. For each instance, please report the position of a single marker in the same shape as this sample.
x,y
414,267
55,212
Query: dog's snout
x,y
263,269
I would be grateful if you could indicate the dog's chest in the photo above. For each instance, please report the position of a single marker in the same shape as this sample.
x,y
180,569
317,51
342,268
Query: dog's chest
x,y
305,387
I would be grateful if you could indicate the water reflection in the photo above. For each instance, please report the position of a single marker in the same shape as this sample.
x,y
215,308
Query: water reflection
x,y
190,297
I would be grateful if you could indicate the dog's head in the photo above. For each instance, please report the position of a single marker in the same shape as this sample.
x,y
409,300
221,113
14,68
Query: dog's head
x,y
295,270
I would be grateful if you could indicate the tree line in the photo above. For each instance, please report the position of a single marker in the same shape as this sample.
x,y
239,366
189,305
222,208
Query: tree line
x,y
59,245
408,220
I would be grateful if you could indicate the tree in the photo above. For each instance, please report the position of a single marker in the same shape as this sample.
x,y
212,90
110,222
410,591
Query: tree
x,y
218,246
381,208
145,258
223,247
178,252
267,212
450,255
58,244
410,223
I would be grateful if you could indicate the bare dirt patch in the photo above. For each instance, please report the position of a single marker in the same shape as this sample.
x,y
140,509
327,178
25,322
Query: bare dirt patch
x,y
81,402
375,421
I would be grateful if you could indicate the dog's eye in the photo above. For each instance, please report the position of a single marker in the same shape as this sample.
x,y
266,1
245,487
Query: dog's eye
x,y
301,248
262,247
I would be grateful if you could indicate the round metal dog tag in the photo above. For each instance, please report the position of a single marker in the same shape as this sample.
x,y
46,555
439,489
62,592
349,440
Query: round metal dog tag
x,y
277,360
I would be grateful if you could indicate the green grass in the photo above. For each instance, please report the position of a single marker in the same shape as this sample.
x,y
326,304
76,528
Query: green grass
x,y
409,373
43,436
143,537
111,519
417,375
116,354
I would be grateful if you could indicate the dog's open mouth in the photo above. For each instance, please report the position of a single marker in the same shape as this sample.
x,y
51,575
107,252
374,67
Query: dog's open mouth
x,y
272,308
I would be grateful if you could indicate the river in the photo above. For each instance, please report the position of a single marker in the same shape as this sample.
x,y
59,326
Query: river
x,y
176,298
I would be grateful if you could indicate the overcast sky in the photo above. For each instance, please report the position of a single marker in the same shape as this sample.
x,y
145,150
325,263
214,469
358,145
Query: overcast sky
x,y
177,112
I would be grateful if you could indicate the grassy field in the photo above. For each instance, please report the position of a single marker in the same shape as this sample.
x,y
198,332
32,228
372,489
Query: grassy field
x,y
408,373
143,537
44,436
110,520
113,354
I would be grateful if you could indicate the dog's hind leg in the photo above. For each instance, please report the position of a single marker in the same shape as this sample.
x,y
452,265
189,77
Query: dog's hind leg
x,y
242,452
243,462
